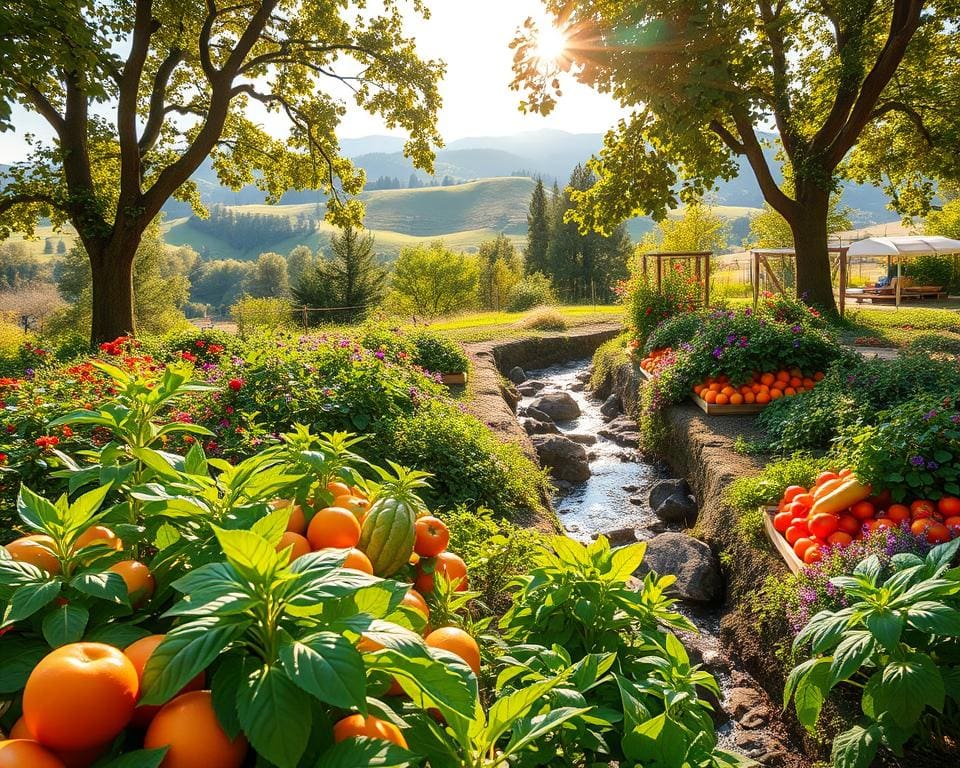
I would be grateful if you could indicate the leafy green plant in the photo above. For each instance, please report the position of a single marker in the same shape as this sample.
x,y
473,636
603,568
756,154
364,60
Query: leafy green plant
x,y
533,290
437,353
897,642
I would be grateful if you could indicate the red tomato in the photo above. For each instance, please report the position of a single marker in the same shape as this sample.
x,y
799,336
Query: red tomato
x,y
794,533
823,525
863,510
781,521
824,477
898,513
792,492
952,522
919,527
849,524
883,522
949,506
802,545
812,555
938,533
804,498
840,539
797,510
432,536
922,508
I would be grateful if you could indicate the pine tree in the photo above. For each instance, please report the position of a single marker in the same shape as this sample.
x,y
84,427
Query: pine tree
x,y
538,231
351,278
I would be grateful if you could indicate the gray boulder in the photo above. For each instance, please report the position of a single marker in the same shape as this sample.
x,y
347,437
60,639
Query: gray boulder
x,y
535,427
611,407
622,430
530,388
559,406
582,439
678,509
517,375
537,414
661,490
693,563
565,459
619,537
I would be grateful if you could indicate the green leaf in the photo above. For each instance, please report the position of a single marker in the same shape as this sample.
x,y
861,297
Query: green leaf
x,y
38,513
195,462
934,618
540,726
363,752
275,716
251,555
886,626
158,462
850,654
166,536
856,747
224,687
903,689
508,709
185,651
141,758
119,635
86,506
327,666
624,561
870,568
272,526
658,741
448,685
29,599
65,624
810,691
20,656
104,585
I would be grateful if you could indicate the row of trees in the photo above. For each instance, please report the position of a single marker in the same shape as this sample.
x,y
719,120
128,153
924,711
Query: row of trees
x,y
246,231
583,265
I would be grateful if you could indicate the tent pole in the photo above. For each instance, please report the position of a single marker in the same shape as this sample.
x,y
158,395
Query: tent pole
x,y
899,280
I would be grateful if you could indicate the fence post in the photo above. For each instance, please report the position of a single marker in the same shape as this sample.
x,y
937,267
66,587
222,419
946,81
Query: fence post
x,y
306,323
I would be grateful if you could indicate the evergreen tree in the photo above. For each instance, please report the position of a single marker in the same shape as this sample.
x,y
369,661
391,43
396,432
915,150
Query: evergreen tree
x,y
351,278
538,231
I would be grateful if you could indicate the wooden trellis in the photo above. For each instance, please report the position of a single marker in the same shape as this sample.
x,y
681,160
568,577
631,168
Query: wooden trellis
x,y
701,267
761,263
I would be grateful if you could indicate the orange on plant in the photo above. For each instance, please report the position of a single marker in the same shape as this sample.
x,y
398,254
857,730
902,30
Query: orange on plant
x,y
334,527
353,726
413,599
37,549
358,561
297,522
338,488
23,753
299,543
446,563
140,582
78,758
98,535
80,695
355,504
188,725
432,536
139,654
458,643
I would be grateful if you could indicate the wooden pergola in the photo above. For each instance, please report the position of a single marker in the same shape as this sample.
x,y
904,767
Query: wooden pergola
x,y
701,268
761,257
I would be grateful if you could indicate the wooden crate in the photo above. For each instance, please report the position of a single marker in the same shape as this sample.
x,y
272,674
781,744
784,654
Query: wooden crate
x,y
453,378
746,409
794,563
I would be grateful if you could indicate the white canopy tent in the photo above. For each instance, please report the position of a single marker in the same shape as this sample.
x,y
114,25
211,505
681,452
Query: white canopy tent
x,y
906,245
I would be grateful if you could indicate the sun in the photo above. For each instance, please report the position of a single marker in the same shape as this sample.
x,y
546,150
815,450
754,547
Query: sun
x,y
551,43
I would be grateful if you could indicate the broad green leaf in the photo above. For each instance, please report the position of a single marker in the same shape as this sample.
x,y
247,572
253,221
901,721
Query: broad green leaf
x,y
810,691
362,752
158,462
119,635
141,758
823,631
275,716
224,687
87,505
624,561
850,654
327,666
65,624
658,741
271,527
185,651
870,568
104,585
886,626
250,554
855,748
943,554
446,684
903,689
934,618
29,599
166,536
20,656
508,709
195,462
39,513
540,726
394,636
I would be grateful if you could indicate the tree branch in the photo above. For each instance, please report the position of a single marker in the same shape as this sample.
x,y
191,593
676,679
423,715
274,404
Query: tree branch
x,y
781,107
915,117
157,110
43,105
754,153
728,138
130,176
25,198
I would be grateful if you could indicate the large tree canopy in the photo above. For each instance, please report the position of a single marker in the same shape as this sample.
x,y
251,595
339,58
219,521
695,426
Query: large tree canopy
x,y
859,88
139,92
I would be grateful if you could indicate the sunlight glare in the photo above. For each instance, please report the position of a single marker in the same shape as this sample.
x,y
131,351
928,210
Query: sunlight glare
x,y
551,43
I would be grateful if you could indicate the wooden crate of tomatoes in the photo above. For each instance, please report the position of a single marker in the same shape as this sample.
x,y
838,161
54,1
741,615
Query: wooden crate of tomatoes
x,y
839,509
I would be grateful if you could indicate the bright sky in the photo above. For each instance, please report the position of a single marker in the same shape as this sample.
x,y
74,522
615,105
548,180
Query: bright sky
x,y
472,38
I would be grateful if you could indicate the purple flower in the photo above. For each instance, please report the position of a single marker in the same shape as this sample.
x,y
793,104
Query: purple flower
x,y
29,373
717,353
797,329
379,354
932,465
918,461
732,337
748,312
929,415
955,418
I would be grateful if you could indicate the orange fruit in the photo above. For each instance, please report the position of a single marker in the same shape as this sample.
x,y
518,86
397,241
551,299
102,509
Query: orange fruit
x,y
792,492
848,524
783,376
140,582
736,399
188,725
949,506
447,563
823,524
812,555
952,522
334,527
722,399
710,396
938,533
78,758
801,546
353,726
898,513
840,538
457,642
98,535
775,394
749,397
796,381
80,695
358,506
922,508
139,654
338,488
358,561
414,599
789,392
432,536
24,753
299,543
767,378
763,398
919,526
37,549
297,522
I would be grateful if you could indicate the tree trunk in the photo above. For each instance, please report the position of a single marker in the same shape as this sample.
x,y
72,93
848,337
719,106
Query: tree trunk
x,y
814,283
112,271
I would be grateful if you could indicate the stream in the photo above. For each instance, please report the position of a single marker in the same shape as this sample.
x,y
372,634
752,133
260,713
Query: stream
x,y
614,499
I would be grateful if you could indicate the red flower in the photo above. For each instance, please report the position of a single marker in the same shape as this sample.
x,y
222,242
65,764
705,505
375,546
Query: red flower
x,y
3,458
200,344
215,349
235,384
66,431
189,357
47,441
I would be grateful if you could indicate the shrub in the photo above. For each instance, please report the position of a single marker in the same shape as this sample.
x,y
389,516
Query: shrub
x,y
206,345
253,314
534,290
929,269
647,307
545,319
433,352
377,335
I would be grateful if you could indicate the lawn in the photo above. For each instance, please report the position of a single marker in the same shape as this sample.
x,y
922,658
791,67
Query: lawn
x,y
483,326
